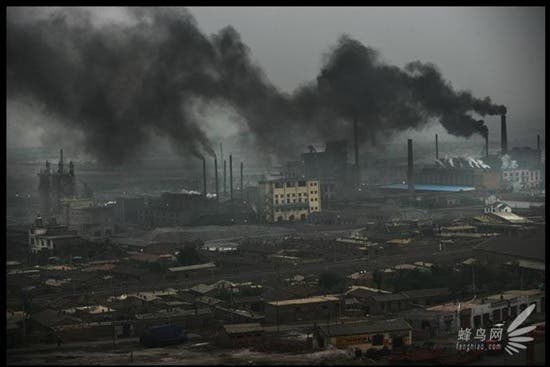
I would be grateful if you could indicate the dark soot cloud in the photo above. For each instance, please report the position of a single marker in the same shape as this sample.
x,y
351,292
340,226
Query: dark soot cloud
x,y
120,83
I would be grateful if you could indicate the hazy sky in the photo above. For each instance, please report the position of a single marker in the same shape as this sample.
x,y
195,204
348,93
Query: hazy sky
x,y
497,52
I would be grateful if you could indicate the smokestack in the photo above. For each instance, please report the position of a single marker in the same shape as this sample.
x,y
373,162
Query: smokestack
x,y
224,177
356,146
436,148
60,168
231,177
410,166
216,178
204,177
487,145
503,135
538,147
242,187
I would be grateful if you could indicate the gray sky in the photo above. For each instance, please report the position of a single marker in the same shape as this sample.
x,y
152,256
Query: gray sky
x,y
496,52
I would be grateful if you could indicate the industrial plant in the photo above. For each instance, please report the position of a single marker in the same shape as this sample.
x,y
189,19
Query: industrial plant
x,y
371,217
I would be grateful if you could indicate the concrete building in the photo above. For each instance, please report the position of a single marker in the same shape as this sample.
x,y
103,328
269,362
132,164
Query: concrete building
x,y
48,236
479,178
240,335
364,335
288,200
523,178
486,311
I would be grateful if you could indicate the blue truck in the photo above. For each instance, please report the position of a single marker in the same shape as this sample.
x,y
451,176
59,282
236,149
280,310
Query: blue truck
x,y
161,335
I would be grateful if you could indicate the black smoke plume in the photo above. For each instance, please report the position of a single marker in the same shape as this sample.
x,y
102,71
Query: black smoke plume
x,y
121,82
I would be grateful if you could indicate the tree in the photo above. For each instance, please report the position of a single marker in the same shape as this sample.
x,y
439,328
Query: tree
x,y
189,255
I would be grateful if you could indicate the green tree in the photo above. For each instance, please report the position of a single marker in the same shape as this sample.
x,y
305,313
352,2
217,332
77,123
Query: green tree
x,y
331,281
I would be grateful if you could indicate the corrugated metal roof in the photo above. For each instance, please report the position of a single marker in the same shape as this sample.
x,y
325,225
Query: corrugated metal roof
x,y
299,301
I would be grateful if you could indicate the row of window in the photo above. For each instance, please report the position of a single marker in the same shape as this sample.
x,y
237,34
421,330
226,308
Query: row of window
x,y
293,201
279,185
532,174
288,195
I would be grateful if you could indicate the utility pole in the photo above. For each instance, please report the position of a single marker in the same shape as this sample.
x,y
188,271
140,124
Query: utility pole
x,y
242,187
224,178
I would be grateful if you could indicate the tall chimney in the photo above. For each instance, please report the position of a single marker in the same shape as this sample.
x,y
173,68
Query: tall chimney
x,y
242,187
487,145
216,178
503,135
204,177
356,147
231,177
224,177
410,166
436,148
538,148
60,168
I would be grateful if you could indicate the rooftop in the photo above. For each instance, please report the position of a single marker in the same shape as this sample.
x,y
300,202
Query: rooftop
x,y
436,188
429,292
242,328
300,301
511,217
192,267
173,313
366,327
530,247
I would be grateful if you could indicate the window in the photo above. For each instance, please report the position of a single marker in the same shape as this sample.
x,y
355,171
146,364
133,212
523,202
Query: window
x,y
301,183
513,311
477,321
278,185
377,339
290,184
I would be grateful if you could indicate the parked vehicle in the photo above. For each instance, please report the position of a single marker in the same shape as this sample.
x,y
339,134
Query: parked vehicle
x,y
161,335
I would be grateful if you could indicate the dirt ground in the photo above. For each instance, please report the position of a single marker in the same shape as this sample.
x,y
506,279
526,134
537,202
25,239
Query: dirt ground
x,y
197,354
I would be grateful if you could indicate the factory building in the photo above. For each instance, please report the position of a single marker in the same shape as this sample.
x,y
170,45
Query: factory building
x,y
54,186
127,209
330,167
173,209
288,200
479,178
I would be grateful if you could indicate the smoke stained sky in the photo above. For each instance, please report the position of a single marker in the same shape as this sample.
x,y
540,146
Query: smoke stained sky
x,y
491,52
